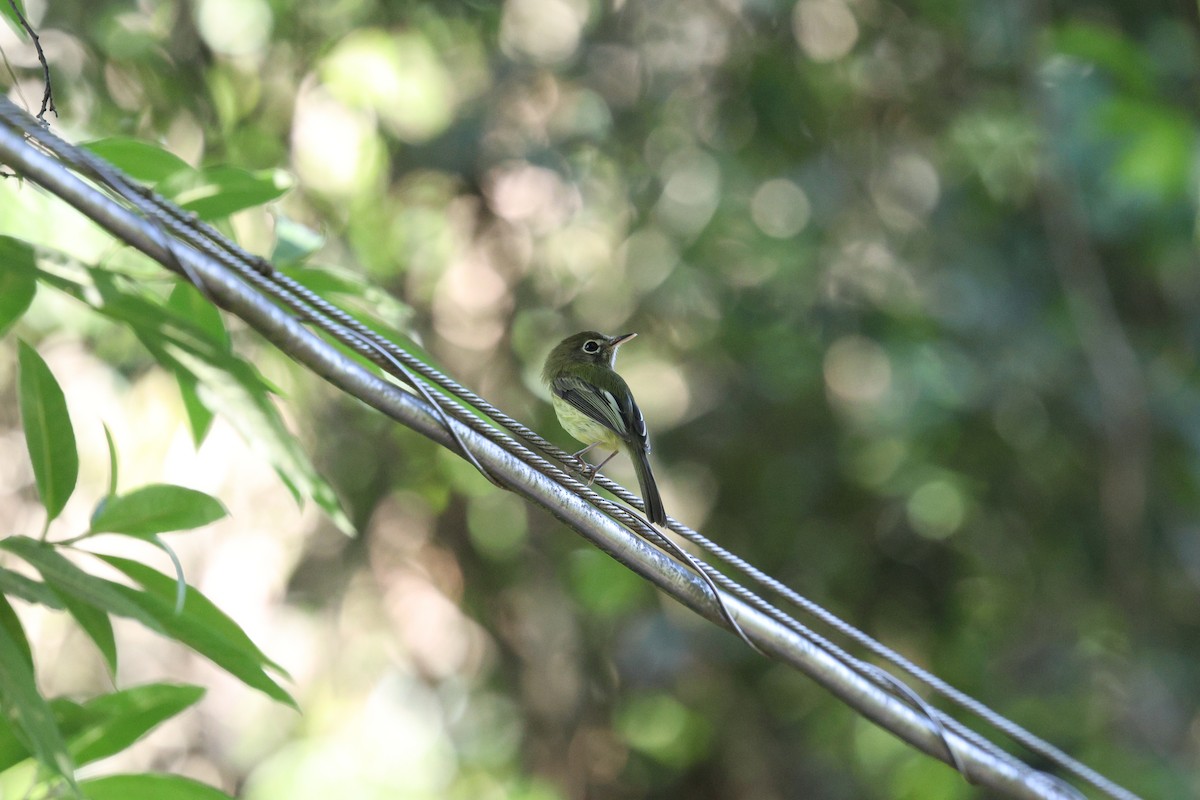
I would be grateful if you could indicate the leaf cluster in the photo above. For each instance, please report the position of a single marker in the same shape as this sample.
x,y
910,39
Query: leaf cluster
x,y
60,735
60,571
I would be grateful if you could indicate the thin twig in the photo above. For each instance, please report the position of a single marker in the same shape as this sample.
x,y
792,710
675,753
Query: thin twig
x,y
47,92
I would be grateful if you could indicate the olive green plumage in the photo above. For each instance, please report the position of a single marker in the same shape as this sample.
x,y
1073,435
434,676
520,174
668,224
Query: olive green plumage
x,y
594,405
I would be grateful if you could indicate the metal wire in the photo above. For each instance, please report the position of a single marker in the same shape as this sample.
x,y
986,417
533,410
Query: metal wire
x,y
452,401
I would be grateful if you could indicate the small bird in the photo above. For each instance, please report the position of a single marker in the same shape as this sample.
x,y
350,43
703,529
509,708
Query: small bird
x,y
594,405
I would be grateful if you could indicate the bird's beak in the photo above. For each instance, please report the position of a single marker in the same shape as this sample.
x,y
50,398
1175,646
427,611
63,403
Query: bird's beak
x,y
617,341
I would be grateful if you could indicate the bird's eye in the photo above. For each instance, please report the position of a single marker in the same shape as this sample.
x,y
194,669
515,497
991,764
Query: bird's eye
x,y
591,346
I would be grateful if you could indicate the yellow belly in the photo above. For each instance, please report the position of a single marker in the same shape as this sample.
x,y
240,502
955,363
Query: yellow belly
x,y
583,427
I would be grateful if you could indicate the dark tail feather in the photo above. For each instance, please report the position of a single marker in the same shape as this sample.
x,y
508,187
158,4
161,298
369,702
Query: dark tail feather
x,y
650,497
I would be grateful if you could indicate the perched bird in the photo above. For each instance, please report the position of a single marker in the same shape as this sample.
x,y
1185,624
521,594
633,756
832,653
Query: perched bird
x,y
594,405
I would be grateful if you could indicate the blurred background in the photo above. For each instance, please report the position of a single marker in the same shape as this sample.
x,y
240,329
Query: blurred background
x,y
916,286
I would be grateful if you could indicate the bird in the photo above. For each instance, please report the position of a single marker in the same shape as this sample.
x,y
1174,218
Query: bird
x,y
594,404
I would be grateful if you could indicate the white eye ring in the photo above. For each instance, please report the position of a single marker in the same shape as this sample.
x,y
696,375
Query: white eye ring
x,y
591,346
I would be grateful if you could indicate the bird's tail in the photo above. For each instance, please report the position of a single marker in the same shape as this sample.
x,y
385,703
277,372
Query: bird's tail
x,y
650,497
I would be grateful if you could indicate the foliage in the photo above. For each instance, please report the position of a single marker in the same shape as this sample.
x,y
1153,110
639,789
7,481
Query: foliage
x,y
916,289
60,735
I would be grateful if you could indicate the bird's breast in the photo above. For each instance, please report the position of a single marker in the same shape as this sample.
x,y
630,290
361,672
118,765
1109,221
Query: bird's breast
x,y
584,428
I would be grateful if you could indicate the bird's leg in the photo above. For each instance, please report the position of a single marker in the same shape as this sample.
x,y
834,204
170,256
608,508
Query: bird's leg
x,y
582,465
596,469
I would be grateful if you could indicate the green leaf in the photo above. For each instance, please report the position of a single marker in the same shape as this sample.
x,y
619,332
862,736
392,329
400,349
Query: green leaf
x,y
226,190
294,242
200,416
29,590
142,160
71,718
97,626
12,623
150,318
12,17
186,301
13,746
201,626
196,605
187,306
149,787
48,432
18,280
190,628
157,508
119,719
29,714
107,724
69,581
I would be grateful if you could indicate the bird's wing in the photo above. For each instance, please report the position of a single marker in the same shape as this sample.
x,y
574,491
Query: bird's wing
x,y
619,414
